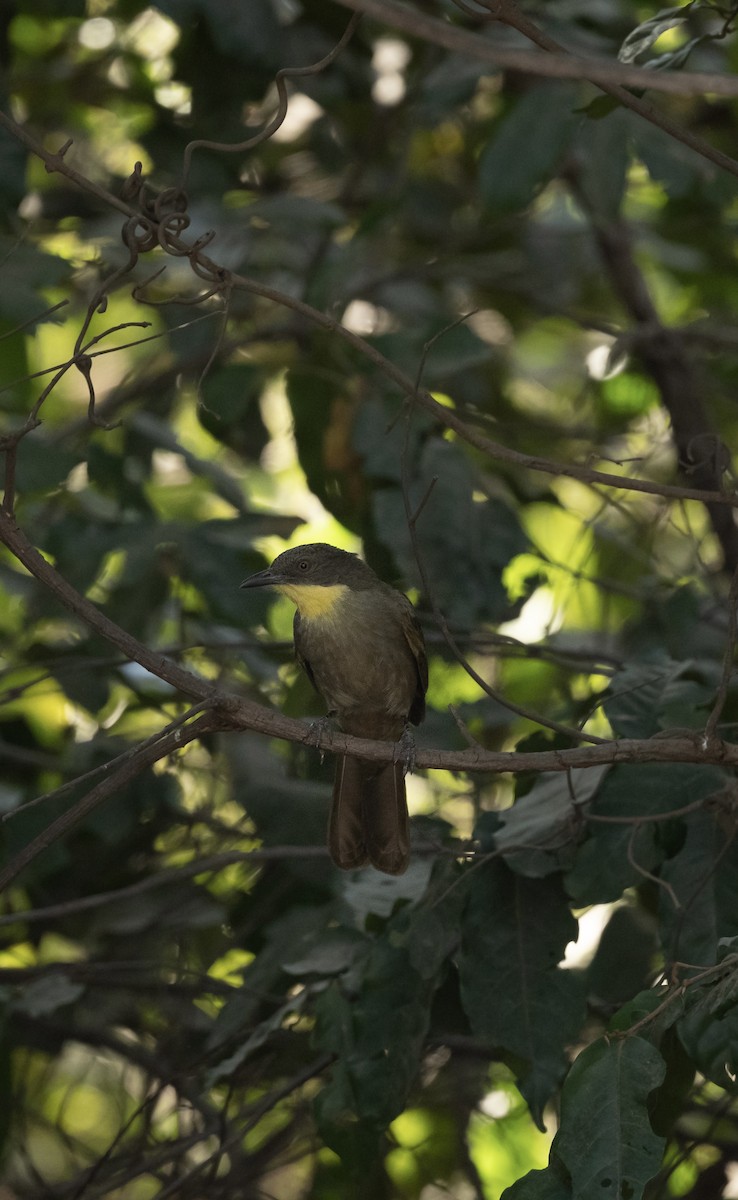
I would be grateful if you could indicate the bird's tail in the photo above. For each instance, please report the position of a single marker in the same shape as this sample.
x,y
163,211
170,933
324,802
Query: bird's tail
x,y
369,821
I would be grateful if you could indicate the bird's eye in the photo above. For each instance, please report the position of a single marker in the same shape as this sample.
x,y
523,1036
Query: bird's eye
x,y
303,564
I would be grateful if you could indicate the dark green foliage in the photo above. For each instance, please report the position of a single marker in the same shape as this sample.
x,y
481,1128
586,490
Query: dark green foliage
x,y
193,1001
603,1106
515,932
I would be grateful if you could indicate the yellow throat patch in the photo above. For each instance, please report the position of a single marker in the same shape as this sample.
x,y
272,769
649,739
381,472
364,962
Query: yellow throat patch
x,y
312,600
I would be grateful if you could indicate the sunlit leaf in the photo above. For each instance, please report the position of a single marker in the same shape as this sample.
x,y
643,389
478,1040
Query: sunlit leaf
x,y
644,35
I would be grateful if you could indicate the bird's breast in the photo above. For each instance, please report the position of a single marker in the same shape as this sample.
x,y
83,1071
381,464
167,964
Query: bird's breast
x,y
360,660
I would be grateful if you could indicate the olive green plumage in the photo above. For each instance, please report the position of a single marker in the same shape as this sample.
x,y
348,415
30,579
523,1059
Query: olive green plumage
x,y
360,643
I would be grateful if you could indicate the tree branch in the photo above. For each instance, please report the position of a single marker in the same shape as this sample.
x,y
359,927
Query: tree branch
x,y
508,12
561,65
700,452
231,712
208,269
175,739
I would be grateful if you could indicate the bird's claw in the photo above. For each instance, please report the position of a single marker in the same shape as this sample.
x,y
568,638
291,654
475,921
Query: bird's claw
x,y
316,730
405,751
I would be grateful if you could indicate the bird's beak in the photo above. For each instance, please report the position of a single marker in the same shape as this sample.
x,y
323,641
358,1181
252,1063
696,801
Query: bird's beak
x,y
265,578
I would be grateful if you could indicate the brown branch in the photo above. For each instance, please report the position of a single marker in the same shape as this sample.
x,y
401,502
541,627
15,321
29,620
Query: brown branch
x,y
232,712
411,520
163,877
57,162
446,417
243,714
103,769
177,737
508,13
253,1116
207,269
180,679
561,65
280,81
700,452
42,316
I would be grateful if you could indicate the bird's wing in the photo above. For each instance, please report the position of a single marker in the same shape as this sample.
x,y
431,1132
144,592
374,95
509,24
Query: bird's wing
x,y
299,650
416,642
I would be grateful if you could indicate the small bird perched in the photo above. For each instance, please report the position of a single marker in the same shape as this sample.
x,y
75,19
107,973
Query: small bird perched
x,y
362,647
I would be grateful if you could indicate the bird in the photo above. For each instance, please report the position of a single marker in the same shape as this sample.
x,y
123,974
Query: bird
x,y
361,645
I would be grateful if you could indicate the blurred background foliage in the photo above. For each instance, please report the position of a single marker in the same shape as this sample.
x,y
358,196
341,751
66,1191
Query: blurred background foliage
x,y
195,1003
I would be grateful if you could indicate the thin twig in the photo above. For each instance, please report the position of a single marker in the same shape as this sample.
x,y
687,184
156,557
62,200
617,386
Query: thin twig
x,y
103,769
508,12
175,740
210,270
643,872
164,877
559,65
440,619
269,130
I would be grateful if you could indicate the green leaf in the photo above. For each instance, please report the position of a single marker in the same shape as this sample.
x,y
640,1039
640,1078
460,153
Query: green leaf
x,y
8,1094
13,165
613,858
82,683
624,958
619,855
600,107
603,151
698,903
377,1037
249,33
645,789
213,554
452,351
605,1140
256,1039
675,58
709,1029
263,977
679,169
47,994
454,80
538,834
42,466
230,411
159,434
25,271
461,537
370,893
527,146
653,1010
325,952
111,474
375,1022
669,1101
550,1184
301,212
638,698
654,1014
644,35
514,934
323,419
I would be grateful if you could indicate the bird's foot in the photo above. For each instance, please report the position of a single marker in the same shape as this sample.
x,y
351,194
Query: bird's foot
x,y
405,751
316,730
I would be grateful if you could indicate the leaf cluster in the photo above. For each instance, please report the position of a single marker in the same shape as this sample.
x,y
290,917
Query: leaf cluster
x,y
194,1001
